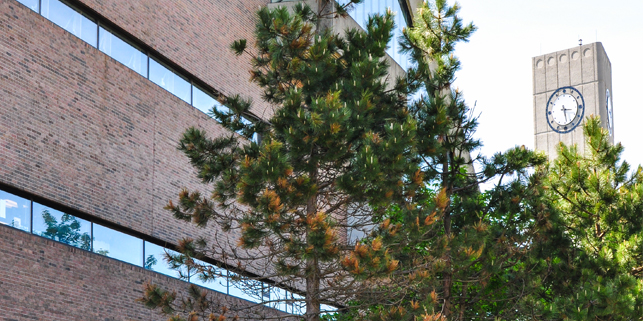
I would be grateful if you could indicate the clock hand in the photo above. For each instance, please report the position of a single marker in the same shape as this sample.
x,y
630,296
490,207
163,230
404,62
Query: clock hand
x,y
564,113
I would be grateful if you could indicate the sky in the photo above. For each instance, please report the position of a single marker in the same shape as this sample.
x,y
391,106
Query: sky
x,y
496,70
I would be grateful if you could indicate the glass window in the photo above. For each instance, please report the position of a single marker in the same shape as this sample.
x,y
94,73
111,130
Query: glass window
x,y
31,4
155,260
219,284
244,288
61,227
280,298
70,20
246,121
118,245
361,13
203,101
327,308
15,211
122,52
299,304
170,81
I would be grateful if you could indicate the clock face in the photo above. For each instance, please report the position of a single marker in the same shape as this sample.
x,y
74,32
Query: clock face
x,y
610,113
565,109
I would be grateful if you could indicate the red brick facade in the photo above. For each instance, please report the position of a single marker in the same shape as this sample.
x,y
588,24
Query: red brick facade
x,y
194,34
81,130
46,280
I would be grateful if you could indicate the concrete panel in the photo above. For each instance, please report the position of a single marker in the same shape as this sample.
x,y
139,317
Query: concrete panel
x,y
589,95
563,68
540,142
539,76
589,63
604,70
575,66
553,140
579,138
540,117
602,103
551,70
604,66
567,138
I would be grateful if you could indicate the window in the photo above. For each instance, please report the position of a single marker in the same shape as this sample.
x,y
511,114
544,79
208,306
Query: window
x,y
61,227
15,211
203,101
70,20
122,52
280,296
155,260
244,288
327,308
219,284
299,304
118,245
364,10
170,81
31,4
19,213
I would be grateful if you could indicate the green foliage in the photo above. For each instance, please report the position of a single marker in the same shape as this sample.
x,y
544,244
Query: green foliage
x,y
591,264
338,139
342,151
458,251
66,231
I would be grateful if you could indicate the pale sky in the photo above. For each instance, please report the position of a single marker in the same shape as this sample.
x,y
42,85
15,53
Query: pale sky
x,y
496,63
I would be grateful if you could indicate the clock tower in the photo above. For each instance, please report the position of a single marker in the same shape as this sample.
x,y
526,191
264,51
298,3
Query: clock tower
x,y
569,86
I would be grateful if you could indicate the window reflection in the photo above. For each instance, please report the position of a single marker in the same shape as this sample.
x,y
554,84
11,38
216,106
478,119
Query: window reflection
x,y
280,298
66,228
299,305
70,20
31,4
155,260
15,211
243,288
61,227
118,245
122,52
203,101
327,308
361,12
170,81
219,284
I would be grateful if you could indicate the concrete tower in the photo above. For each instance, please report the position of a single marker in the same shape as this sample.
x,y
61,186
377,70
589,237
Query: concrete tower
x,y
569,86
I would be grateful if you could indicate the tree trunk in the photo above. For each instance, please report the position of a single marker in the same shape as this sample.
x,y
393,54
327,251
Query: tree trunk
x,y
448,276
312,266
312,291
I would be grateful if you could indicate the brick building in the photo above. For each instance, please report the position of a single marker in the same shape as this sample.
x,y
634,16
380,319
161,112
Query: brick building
x,y
95,94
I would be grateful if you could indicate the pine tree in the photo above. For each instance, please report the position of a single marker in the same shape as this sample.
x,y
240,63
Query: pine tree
x,y
459,251
339,141
591,263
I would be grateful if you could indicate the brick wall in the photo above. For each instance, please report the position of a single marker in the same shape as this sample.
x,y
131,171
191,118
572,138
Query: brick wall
x,y
194,34
44,280
82,130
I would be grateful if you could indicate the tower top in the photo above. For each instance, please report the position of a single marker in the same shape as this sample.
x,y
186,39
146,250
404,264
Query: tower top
x,y
568,86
